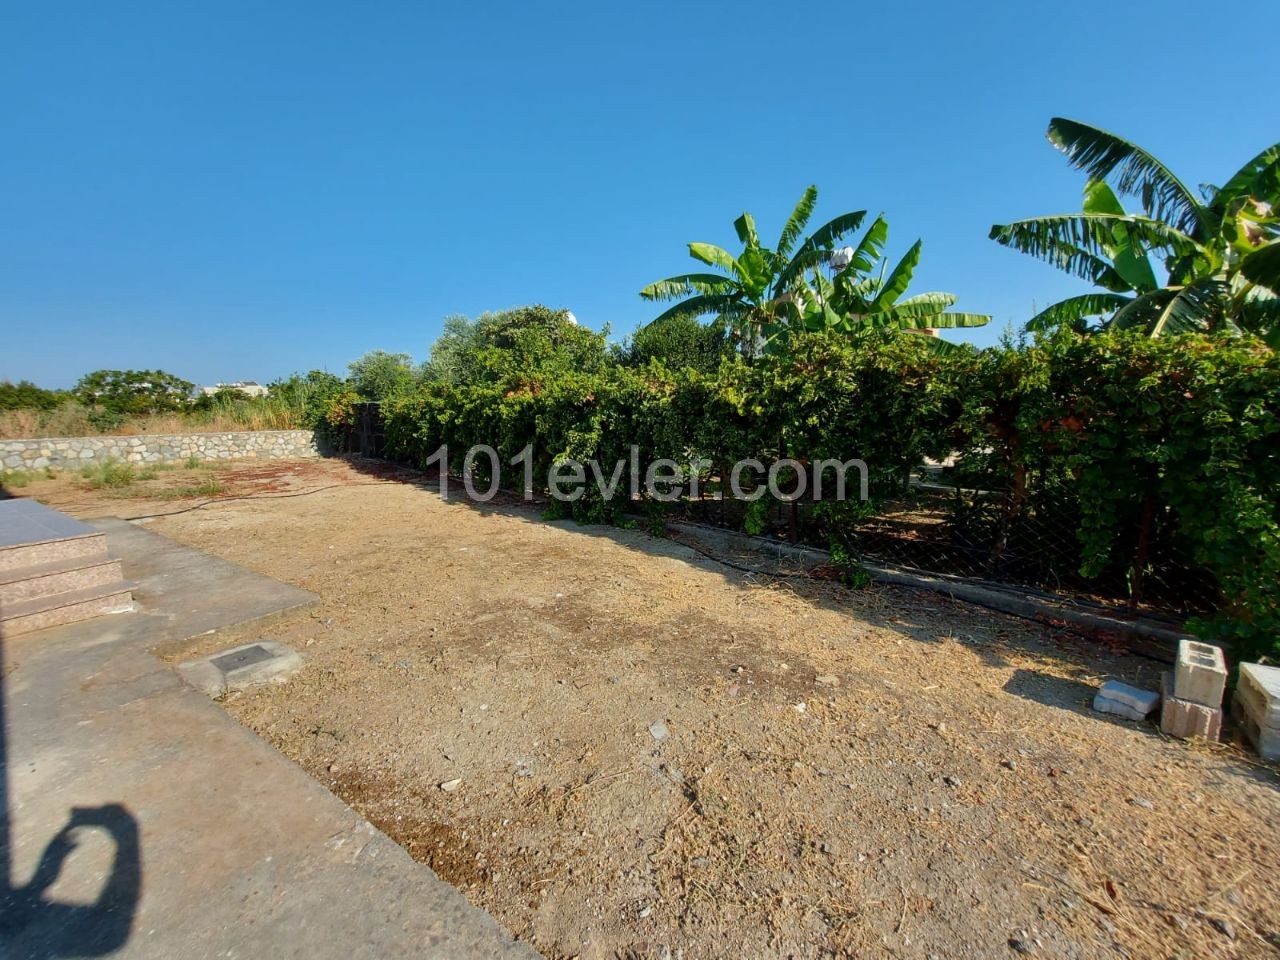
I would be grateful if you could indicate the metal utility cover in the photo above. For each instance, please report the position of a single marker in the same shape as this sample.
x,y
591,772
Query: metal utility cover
x,y
242,658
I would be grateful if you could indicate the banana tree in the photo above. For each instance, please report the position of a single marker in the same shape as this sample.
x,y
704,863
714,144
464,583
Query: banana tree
x,y
763,294
1218,251
863,294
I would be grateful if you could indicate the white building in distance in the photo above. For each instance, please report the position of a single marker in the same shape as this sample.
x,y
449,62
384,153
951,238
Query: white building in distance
x,y
250,388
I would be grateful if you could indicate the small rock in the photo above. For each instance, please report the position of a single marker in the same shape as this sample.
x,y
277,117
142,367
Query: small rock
x,y
827,680
1021,946
801,707
1010,764
644,911
1223,926
333,768
658,730
734,690
1141,802
451,785
951,781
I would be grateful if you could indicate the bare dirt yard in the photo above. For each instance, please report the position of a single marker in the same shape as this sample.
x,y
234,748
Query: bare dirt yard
x,y
622,748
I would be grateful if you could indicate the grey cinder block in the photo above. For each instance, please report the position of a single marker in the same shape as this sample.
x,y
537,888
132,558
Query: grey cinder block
x,y
1186,719
1201,673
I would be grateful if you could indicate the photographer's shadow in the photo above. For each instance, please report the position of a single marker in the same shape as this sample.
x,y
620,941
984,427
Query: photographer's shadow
x,y
46,929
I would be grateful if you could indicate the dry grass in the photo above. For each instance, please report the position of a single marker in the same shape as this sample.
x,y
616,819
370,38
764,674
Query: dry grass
x,y
76,420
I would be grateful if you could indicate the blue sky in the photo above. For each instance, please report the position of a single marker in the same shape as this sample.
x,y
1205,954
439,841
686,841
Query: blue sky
x,y
242,190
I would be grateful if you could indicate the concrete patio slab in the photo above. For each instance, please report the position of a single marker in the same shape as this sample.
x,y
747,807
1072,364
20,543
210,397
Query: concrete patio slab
x,y
144,822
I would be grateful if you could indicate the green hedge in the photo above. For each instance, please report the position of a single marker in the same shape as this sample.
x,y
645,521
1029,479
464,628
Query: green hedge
x,y
1133,441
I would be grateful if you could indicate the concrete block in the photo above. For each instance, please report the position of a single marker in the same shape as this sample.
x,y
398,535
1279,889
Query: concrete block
x,y
264,661
1120,699
1184,719
1259,690
1266,740
1201,673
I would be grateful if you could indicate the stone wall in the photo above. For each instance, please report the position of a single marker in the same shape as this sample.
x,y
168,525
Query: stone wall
x,y
62,453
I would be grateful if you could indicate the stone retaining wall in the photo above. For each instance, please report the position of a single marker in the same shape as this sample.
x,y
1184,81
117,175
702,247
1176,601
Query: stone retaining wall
x,y
66,452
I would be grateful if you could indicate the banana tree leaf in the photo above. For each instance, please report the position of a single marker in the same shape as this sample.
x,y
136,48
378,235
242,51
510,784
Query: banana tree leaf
x,y
798,220
1142,311
709,253
939,301
813,251
1255,179
900,278
836,229
1093,234
757,270
1194,307
1128,259
870,248
700,306
1100,153
1073,311
953,320
685,284
1026,236
1263,266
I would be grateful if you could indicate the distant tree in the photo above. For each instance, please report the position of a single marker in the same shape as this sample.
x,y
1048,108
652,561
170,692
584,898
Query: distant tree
x,y
514,344
679,342
25,395
380,375
300,386
313,397
454,354
219,399
133,391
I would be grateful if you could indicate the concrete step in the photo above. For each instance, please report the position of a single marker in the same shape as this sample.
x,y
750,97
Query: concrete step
x,y
41,612
87,547
61,576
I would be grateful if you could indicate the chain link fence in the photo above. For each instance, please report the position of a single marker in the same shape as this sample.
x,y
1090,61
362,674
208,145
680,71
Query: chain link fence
x,y
1027,539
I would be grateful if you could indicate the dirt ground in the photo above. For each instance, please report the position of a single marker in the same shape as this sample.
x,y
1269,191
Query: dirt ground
x,y
623,749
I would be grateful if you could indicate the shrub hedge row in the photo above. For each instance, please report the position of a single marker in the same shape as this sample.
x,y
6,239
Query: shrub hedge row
x,y
1173,439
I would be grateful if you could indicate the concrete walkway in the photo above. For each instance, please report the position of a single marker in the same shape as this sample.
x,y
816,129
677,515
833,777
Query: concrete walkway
x,y
144,822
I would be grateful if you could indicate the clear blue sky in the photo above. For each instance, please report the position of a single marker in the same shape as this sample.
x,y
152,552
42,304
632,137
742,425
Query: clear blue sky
x,y
241,190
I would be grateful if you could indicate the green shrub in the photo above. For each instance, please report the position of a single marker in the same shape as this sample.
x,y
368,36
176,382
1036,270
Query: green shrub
x,y
109,473
16,479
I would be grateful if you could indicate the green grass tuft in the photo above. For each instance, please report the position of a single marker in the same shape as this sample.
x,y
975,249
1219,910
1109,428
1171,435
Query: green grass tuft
x,y
109,473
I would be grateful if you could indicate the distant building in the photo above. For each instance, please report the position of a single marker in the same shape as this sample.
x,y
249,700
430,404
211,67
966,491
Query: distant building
x,y
250,388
